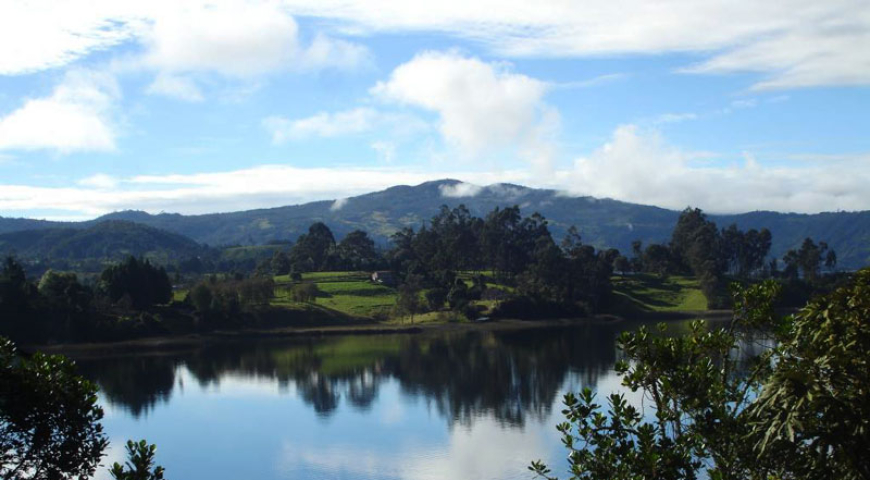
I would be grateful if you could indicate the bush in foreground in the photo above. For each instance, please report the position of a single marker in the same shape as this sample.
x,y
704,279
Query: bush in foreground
x,y
800,409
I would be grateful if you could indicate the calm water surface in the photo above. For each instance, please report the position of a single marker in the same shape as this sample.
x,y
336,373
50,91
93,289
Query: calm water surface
x,y
454,406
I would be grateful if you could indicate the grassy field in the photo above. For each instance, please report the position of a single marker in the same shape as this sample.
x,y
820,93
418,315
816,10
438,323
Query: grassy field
x,y
649,293
350,293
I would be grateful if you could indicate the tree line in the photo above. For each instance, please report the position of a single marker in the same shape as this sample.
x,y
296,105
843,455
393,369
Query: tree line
x,y
452,260
716,256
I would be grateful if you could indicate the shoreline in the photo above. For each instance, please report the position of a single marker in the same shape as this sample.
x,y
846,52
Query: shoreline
x,y
192,340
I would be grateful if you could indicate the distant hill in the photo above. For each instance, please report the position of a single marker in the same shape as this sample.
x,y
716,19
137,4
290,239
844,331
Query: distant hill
x,y
104,240
602,222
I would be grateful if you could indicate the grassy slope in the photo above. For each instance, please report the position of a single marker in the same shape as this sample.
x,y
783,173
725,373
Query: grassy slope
x,y
649,293
350,293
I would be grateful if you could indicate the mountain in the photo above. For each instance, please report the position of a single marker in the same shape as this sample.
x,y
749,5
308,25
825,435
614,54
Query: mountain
x,y
601,222
109,239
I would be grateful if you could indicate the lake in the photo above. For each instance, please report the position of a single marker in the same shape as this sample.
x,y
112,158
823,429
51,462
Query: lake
x,y
451,406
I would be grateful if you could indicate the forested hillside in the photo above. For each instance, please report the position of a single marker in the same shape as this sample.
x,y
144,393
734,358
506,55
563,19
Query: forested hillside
x,y
601,222
107,240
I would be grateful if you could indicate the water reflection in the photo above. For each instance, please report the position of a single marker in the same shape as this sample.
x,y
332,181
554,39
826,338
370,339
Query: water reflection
x,y
404,407
509,375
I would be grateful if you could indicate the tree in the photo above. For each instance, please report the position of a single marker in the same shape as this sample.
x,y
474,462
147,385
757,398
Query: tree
x,y
17,297
144,283
621,264
49,418
831,260
140,463
800,409
813,413
408,301
657,259
280,263
435,298
698,423
357,252
62,290
807,259
304,292
313,250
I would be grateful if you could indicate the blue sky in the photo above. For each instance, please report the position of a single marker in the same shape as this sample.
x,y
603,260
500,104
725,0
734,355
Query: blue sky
x,y
197,107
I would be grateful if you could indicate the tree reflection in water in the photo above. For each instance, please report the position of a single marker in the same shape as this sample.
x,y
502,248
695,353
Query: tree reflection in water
x,y
510,375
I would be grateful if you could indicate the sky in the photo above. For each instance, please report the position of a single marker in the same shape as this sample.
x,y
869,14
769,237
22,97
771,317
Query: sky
x,y
196,107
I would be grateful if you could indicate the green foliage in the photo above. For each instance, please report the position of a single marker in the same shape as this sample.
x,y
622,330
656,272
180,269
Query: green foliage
x,y
356,251
49,418
435,298
808,259
62,290
306,292
143,283
314,251
649,293
221,301
140,463
602,221
698,398
107,240
408,301
797,410
814,409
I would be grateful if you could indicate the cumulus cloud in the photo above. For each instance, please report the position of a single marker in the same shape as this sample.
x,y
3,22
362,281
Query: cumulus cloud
x,y
179,41
481,106
77,116
327,52
237,39
459,190
641,166
635,165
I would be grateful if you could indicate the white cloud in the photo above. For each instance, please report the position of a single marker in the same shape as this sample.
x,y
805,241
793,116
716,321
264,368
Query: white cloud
x,y
484,449
99,180
42,34
77,116
459,190
338,204
323,124
182,42
797,43
386,150
675,117
346,122
232,38
640,166
593,82
175,86
326,52
635,166
482,106
258,187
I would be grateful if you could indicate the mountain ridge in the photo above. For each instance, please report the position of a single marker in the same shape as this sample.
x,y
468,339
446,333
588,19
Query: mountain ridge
x,y
603,222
